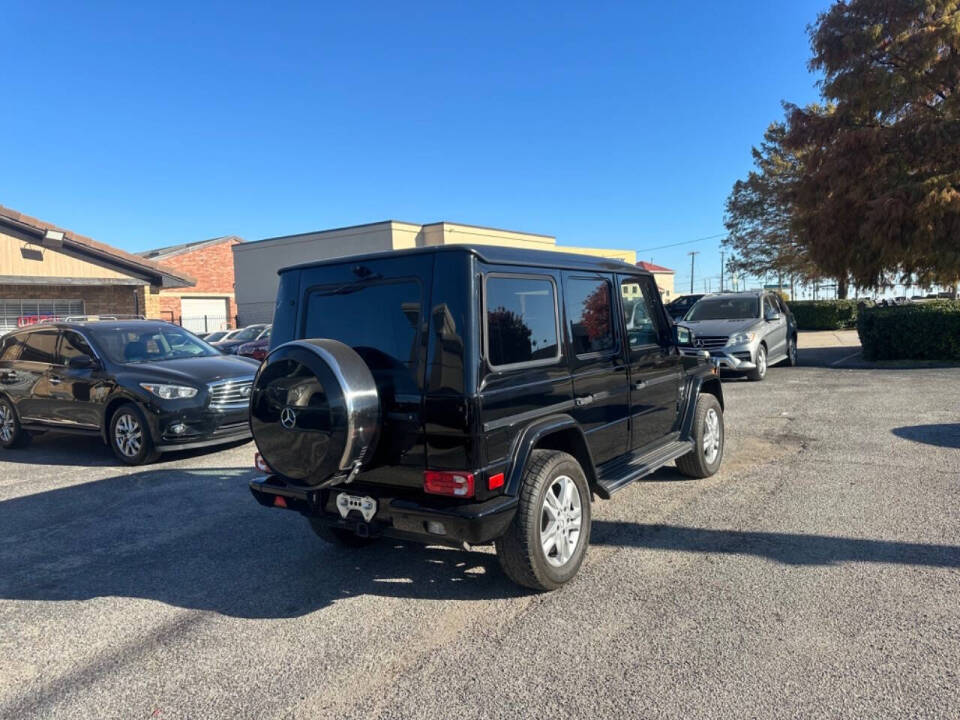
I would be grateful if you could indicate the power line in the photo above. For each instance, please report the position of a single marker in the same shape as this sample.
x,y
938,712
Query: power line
x,y
685,242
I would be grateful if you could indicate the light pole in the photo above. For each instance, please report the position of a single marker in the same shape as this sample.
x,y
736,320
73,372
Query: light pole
x,y
693,254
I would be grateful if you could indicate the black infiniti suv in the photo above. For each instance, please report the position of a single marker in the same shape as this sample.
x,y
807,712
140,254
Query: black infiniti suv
x,y
143,386
476,394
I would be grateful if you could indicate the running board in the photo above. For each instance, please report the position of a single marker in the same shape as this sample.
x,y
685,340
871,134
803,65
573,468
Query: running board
x,y
619,473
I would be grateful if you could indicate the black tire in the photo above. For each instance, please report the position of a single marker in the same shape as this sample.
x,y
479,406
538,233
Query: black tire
x,y
338,536
139,450
760,372
520,549
11,434
791,360
695,463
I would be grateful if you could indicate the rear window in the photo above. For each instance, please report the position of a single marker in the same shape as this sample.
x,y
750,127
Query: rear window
x,y
521,319
379,320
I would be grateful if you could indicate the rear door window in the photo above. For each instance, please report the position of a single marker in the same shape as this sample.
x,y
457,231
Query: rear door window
x,y
40,347
521,320
588,303
9,348
379,320
73,345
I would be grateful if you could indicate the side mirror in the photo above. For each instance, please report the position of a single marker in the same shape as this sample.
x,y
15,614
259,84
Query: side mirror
x,y
81,362
683,336
772,316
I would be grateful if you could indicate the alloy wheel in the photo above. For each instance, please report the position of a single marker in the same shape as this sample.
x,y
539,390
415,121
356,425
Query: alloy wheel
x,y
711,436
762,361
128,435
7,428
561,516
792,349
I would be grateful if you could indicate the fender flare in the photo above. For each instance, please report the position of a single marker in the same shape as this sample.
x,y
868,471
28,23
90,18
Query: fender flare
x,y
528,440
698,384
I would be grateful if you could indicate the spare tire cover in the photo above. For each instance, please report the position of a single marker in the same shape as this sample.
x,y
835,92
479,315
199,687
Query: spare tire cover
x,y
314,410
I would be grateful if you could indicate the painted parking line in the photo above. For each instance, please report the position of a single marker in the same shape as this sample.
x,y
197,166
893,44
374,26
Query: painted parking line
x,y
844,359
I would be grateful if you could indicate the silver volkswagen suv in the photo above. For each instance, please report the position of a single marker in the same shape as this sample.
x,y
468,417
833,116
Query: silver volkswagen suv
x,y
744,332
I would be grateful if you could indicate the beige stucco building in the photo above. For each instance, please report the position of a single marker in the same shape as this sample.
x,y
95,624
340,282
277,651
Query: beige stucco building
x,y
47,271
256,263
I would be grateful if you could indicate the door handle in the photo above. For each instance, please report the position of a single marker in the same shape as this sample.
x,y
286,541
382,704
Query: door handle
x,y
54,380
639,384
583,400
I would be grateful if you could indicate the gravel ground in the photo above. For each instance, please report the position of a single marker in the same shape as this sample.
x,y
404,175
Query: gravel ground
x,y
816,575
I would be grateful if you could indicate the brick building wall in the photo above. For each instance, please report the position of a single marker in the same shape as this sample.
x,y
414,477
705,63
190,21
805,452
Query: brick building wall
x,y
212,266
97,299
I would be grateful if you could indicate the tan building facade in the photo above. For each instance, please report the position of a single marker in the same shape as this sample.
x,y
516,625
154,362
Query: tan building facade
x,y
47,271
664,277
256,263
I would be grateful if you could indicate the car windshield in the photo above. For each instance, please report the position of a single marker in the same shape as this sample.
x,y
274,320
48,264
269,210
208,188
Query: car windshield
x,y
248,333
725,308
149,343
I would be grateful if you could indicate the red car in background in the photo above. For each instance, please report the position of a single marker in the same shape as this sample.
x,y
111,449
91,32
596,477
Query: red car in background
x,y
256,349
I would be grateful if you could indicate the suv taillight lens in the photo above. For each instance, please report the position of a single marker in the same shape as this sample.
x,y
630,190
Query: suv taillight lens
x,y
445,482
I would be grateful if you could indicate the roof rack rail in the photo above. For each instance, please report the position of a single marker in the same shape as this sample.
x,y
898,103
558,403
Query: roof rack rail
x,y
88,318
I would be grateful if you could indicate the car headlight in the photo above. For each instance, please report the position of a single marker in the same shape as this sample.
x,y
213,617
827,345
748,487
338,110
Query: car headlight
x,y
170,392
744,338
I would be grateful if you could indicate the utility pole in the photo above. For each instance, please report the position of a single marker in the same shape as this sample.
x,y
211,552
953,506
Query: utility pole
x,y
721,271
693,254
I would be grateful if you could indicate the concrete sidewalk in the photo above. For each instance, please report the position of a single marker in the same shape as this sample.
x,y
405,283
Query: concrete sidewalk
x,y
807,339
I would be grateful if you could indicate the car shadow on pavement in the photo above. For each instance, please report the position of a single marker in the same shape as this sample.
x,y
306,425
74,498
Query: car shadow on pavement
x,y
786,548
197,539
53,448
940,434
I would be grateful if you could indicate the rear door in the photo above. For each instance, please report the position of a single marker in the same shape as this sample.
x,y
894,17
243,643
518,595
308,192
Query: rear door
x,y
34,375
655,373
599,372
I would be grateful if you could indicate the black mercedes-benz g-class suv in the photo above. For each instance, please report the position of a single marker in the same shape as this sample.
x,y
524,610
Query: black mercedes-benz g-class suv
x,y
475,395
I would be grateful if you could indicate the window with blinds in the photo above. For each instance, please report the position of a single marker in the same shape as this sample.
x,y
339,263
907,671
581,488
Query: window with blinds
x,y
16,313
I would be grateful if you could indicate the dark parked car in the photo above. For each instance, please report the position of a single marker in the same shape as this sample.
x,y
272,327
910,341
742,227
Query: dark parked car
x,y
144,387
678,307
234,341
479,395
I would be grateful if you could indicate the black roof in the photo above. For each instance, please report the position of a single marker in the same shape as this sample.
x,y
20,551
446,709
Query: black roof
x,y
495,255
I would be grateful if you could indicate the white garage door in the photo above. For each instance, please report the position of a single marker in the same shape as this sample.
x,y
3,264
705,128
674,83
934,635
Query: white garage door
x,y
202,315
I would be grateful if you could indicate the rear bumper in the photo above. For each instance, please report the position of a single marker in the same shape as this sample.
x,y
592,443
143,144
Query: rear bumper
x,y
404,518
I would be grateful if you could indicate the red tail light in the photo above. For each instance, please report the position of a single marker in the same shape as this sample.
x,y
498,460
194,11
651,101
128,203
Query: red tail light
x,y
445,482
495,481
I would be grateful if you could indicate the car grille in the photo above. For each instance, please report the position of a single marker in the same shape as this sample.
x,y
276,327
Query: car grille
x,y
712,342
231,393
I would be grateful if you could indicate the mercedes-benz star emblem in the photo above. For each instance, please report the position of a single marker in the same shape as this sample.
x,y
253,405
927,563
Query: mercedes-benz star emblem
x,y
288,418
699,342
245,391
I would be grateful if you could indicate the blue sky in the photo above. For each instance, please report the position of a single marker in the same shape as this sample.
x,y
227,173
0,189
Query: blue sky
x,y
611,125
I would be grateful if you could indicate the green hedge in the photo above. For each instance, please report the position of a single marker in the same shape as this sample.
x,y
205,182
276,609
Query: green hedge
x,y
919,331
824,314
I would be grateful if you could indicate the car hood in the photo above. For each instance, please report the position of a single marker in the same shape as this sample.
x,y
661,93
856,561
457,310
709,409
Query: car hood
x,y
193,371
721,327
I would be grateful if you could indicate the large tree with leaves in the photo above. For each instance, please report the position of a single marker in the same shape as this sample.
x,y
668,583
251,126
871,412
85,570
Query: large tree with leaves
x,y
879,194
759,214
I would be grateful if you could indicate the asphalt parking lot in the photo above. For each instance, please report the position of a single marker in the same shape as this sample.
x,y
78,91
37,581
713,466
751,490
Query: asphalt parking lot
x,y
817,575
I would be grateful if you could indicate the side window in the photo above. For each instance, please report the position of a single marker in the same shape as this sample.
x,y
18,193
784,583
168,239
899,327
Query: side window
x,y
769,305
640,316
521,320
9,348
41,347
588,302
73,345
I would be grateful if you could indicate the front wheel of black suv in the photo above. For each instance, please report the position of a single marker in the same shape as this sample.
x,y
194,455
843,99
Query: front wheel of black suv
x,y
338,536
11,434
704,460
545,544
129,437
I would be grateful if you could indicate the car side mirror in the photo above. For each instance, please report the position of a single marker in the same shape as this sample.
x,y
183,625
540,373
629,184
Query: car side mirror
x,y
683,336
772,316
81,362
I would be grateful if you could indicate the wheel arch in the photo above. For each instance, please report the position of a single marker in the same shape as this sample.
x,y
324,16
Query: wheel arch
x,y
557,432
110,408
